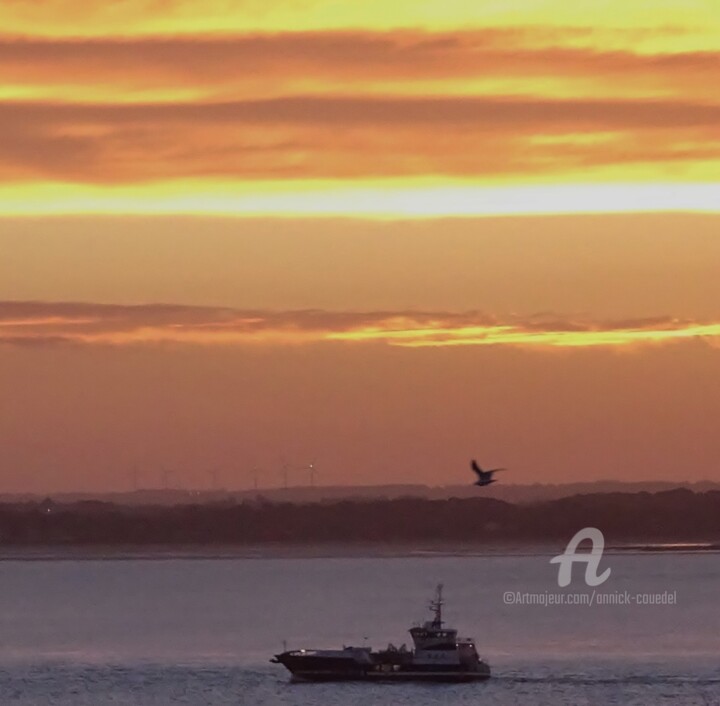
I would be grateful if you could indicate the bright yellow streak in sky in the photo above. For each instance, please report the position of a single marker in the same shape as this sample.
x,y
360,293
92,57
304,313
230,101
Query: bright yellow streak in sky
x,y
396,198
405,333
131,17
98,95
508,335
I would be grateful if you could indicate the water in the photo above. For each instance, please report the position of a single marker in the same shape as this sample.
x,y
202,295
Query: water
x,y
176,631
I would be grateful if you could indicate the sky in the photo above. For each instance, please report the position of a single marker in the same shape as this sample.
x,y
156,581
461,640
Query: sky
x,y
382,238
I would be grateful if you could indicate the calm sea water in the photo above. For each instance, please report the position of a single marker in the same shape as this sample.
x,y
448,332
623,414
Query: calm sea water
x,y
178,631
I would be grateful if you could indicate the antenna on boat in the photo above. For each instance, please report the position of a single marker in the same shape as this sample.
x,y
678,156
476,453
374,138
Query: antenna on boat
x,y
436,606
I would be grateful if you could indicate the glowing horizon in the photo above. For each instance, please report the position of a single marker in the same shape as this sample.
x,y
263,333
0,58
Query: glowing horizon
x,y
379,201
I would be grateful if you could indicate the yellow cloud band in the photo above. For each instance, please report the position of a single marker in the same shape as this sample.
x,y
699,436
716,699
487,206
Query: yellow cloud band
x,y
38,323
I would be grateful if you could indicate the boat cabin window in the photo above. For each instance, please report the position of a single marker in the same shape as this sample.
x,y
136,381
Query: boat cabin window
x,y
442,634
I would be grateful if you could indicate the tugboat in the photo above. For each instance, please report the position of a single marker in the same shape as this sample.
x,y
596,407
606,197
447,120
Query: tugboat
x,y
438,655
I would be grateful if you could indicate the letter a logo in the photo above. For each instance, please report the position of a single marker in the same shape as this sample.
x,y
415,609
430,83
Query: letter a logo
x,y
591,558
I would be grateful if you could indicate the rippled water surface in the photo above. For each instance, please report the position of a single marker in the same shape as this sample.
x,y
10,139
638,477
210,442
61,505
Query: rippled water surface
x,y
179,631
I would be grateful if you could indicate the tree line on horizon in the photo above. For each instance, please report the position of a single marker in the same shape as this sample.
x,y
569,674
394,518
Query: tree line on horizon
x,y
675,515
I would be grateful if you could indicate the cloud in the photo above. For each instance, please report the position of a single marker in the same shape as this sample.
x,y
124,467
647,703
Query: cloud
x,y
531,114
271,65
348,137
354,104
43,323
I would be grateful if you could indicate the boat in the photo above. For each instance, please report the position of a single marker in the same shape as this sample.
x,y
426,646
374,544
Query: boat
x,y
438,654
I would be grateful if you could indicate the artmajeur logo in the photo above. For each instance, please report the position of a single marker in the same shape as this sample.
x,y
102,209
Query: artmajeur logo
x,y
591,559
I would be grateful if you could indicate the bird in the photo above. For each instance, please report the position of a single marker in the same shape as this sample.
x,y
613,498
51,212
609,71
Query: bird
x,y
484,477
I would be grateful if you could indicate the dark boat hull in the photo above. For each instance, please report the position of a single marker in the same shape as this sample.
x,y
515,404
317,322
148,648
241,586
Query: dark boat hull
x,y
322,669
446,677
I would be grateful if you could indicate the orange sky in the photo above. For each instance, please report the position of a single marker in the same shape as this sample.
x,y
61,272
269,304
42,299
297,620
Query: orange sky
x,y
375,109
453,201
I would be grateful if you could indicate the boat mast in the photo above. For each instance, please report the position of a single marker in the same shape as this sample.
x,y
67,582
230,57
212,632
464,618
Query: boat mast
x,y
436,606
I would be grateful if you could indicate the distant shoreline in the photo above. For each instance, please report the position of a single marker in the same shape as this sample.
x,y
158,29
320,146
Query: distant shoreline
x,y
517,493
290,550
319,551
674,520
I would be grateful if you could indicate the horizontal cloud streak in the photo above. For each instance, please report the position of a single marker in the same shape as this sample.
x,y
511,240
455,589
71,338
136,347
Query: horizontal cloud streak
x,y
343,111
156,94
41,323
277,64
349,137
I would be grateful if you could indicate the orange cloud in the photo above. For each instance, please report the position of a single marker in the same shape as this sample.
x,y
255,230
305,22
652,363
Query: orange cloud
x,y
404,62
329,137
39,323
181,98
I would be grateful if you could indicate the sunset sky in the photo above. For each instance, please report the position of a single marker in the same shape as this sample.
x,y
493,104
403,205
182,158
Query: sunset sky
x,y
382,237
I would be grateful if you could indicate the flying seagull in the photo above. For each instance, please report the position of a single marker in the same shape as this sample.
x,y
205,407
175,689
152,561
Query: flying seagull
x,y
484,477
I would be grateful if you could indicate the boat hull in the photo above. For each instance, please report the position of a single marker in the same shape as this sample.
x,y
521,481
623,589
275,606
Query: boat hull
x,y
439,677
323,669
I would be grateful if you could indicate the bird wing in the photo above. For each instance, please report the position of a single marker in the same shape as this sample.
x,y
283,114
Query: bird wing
x,y
476,468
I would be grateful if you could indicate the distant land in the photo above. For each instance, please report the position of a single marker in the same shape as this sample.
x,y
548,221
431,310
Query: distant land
x,y
679,515
509,492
